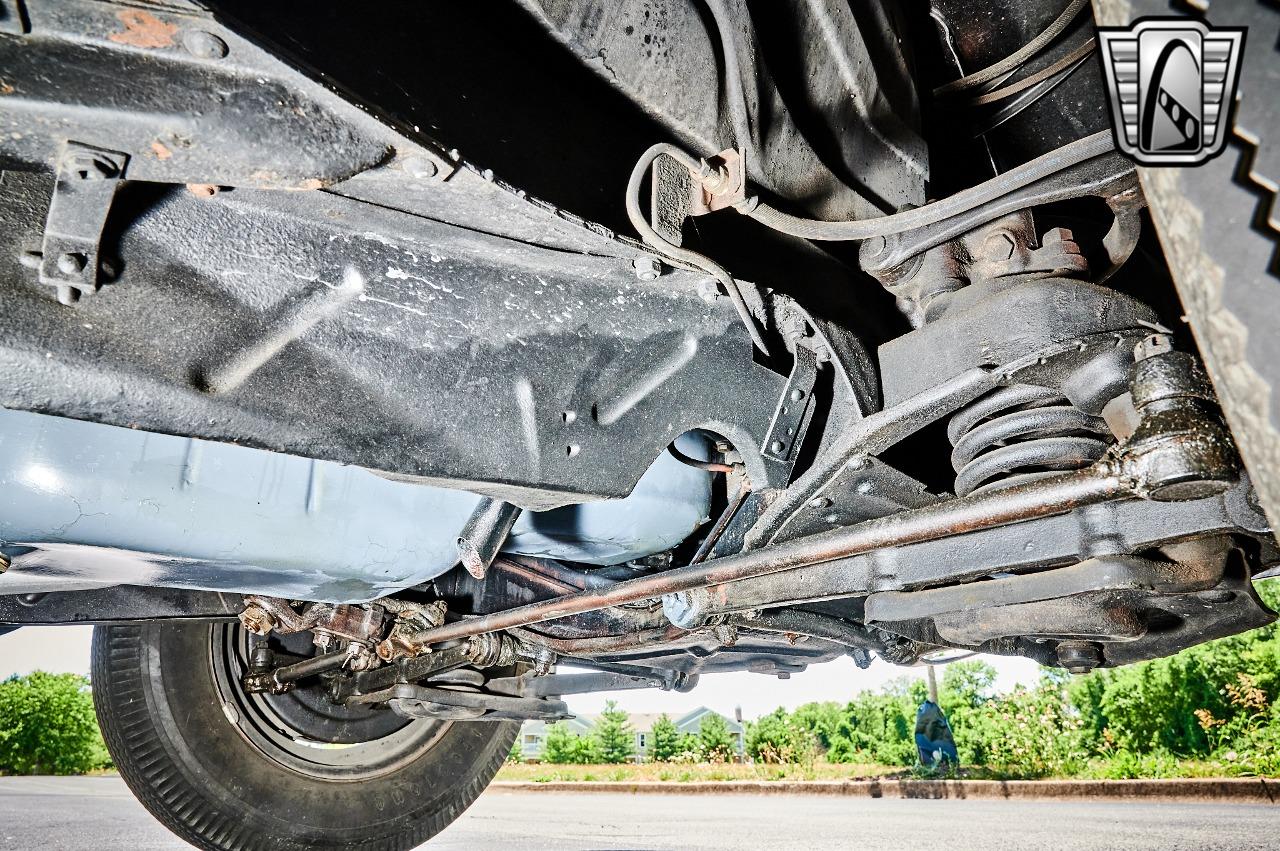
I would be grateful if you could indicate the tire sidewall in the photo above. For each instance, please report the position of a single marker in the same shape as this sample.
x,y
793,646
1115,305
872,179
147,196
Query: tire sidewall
x,y
164,723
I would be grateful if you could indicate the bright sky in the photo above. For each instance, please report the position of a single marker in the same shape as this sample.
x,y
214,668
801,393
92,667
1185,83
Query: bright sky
x,y
66,648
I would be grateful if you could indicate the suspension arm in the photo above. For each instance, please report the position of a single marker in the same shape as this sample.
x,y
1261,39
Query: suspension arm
x,y
1181,450
1100,483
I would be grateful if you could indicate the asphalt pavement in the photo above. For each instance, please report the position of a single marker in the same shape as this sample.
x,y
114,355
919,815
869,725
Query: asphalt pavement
x,y
99,813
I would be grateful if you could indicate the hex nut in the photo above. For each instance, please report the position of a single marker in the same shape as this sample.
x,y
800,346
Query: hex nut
x,y
1079,657
71,263
646,268
257,620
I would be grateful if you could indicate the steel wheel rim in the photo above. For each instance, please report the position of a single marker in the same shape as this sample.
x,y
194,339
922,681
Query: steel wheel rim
x,y
283,741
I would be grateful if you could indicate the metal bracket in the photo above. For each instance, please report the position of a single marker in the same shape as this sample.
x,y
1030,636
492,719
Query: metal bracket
x,y
679,193
82,196
418,701
558,685
795,410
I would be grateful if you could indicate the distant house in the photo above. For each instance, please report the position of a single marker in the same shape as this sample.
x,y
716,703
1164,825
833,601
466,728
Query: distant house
x,y
691,722
534,733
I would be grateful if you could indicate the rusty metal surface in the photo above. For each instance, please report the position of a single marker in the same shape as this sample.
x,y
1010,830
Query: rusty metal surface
x,y
821,111
1046,497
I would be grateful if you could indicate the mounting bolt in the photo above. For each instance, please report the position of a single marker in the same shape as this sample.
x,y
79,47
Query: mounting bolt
x,y
203,45
257,620
1079,657
998,246
71,264
544,661
777,446
687,609
646,268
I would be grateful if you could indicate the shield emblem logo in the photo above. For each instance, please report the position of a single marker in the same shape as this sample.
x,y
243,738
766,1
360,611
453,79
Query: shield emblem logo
x,y
1172,82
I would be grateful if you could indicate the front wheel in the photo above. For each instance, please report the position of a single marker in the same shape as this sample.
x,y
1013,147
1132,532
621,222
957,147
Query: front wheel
x,y
226,770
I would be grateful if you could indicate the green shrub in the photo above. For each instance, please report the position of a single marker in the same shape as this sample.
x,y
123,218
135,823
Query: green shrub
x,y
614,739
1027,733
714,742
780,737
47,726
666,740
1184,705
563,747
879,727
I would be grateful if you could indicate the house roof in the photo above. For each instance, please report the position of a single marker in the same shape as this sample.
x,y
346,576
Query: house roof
x,y
579,725
693,718
641,722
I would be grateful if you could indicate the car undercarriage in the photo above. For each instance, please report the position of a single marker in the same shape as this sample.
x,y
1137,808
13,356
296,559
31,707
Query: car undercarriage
x,y
363,367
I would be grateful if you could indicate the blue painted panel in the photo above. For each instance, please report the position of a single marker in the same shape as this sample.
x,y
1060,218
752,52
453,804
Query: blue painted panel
x,y
99,504
670,501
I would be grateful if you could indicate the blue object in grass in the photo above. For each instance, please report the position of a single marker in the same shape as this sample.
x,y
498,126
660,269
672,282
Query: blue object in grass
x,y
934,742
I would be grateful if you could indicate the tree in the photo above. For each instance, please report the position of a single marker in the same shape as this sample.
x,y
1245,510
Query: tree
x,y
615,740
561,746
820,720
516,754
966,685
47,725
879,727
666,740
1157,708
966,688
780,738
715,744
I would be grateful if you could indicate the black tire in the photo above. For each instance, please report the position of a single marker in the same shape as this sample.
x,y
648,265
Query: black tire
x,y
1217,225
191,754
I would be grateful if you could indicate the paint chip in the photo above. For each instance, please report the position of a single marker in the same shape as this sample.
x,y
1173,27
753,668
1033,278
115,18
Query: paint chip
x,y
143,29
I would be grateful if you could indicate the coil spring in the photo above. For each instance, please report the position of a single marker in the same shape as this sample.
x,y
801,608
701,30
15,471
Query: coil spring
x,y
1019,433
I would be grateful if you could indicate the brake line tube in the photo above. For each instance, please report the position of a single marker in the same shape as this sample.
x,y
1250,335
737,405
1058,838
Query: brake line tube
x,y
1074,153
674,252
1042,498
1015,60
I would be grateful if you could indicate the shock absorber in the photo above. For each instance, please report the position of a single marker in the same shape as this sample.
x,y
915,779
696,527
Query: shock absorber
x,y
1018,433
